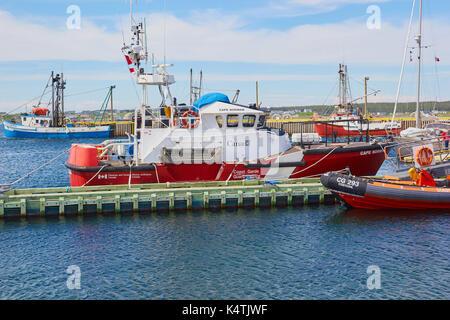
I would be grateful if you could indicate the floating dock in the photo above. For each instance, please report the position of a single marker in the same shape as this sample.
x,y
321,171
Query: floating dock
x,y
161,197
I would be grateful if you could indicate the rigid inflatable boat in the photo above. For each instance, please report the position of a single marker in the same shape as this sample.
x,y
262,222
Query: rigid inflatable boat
x,y
368,193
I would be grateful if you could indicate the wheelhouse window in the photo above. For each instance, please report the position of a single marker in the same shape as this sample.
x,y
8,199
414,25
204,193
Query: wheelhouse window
x,y
232,120
261,121
219,120
248,120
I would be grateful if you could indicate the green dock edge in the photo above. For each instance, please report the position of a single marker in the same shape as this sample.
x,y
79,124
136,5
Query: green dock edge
x,y
162,197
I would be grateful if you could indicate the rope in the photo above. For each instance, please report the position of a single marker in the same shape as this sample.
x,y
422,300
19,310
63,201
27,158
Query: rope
x,y
94,175
85,92
40,167
156,171
24,104
129,178
315,162
315,175
226,182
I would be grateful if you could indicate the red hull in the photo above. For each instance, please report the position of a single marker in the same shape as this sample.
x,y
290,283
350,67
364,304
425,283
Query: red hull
x,y
373,194
359,162
323,130
371,202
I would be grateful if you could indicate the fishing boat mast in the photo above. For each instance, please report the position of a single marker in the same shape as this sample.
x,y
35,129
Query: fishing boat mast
x,y
58,86
344,90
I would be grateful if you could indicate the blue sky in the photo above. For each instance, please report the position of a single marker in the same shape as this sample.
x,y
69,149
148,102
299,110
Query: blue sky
x,y
292,47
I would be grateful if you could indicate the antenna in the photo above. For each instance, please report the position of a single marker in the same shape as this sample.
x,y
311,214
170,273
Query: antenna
x,y
145,42
200,87
131,12
236,96
165,32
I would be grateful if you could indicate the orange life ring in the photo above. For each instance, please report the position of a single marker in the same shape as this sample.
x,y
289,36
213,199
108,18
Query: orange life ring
x,y
188,123
99,153
424,156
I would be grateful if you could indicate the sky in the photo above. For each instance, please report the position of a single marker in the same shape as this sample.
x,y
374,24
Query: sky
x,y
291,47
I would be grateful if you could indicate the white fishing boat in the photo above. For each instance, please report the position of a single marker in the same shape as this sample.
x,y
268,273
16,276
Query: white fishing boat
x,y
43,123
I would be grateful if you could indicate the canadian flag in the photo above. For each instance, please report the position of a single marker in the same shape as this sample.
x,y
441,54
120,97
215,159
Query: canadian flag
x,y
130,63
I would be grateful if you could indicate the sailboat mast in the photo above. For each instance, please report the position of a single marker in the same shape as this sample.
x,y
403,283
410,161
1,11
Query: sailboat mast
x,y
419,58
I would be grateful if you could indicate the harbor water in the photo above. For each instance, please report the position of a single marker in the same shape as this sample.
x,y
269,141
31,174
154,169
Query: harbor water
x,y
312,252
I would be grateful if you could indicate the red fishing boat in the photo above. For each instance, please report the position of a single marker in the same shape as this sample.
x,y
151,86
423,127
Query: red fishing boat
x,y
348,121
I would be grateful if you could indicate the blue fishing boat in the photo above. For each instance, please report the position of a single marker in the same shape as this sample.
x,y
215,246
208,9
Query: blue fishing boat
x,y
42,123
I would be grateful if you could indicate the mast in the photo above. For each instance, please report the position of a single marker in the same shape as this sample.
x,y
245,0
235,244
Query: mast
x,y
365,97
62,98
111,97
257,97
53,100
190,90
342,85
136,53
403,62
200,86
419,58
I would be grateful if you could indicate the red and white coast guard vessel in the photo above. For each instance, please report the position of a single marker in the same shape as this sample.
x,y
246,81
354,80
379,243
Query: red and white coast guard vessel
x,y
213,140
345,121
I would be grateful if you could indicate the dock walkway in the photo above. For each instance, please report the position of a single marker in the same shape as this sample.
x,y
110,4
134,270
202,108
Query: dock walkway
x,y
161,197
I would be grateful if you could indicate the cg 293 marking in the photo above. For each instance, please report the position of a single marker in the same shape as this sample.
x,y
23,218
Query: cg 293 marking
x,y
347,182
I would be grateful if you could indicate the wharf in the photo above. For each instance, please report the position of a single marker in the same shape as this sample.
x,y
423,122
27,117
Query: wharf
x,y
162,197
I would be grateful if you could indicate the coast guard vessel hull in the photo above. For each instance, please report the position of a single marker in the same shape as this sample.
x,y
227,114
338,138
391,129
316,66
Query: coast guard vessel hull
x,y
85,168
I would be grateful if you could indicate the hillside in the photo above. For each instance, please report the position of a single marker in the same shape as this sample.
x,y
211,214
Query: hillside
x,y
382,107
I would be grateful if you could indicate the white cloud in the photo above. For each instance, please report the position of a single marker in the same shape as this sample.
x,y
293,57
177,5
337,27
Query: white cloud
x,y
216,40
296,8
332,2
31,41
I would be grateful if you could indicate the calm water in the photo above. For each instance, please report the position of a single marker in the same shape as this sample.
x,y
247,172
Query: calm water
x,y
318,252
